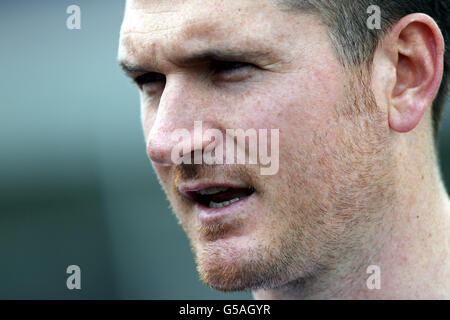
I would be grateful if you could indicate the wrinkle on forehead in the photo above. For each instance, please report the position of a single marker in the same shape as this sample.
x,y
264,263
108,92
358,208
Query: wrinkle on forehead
x,y
176,40
195,17
164,28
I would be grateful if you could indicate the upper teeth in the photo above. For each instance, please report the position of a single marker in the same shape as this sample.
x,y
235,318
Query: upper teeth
x,y
212,190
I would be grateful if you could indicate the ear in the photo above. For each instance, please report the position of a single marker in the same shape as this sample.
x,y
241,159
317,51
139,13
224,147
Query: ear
x,y
416,48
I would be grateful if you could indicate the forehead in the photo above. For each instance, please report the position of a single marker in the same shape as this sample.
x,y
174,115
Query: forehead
x,y
163,27
162,16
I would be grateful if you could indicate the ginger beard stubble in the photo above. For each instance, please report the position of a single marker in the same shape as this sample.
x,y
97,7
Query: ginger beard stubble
x,y
315,213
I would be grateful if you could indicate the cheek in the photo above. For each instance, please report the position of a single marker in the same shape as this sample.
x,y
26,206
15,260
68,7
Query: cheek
x,y
300,105
304,109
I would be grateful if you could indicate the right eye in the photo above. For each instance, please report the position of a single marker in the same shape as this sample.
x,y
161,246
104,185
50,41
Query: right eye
x,y
149,79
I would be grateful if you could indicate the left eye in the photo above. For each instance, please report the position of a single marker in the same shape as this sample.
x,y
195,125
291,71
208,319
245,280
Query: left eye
x,y
150,78
230,70
229,65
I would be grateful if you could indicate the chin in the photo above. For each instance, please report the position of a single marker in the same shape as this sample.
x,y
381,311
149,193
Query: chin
x,y
230,265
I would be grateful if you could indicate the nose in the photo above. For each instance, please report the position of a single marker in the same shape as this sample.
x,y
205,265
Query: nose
x,y
180,124
158,146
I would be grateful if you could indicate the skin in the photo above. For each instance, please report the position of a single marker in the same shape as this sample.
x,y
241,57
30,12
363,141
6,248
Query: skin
x,y
358,183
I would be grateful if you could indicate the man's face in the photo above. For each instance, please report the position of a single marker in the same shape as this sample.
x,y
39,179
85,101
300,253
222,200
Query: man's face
x,y
334,159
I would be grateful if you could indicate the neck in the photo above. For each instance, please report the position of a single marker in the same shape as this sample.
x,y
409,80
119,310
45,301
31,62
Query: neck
x,y
411,247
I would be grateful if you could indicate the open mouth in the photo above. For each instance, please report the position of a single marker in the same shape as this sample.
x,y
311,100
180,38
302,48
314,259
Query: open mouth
x,y
219,197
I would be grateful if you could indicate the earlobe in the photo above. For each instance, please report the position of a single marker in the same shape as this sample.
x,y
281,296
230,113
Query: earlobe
x,y
419,49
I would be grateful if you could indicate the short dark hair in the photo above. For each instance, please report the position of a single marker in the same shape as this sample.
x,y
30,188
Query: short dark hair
x,y
355,43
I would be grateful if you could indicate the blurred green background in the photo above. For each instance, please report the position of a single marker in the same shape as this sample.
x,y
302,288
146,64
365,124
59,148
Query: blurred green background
x,y
76,186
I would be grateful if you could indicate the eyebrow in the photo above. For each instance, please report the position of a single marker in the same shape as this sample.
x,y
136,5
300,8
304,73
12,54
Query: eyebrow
x,y
223,54
217,54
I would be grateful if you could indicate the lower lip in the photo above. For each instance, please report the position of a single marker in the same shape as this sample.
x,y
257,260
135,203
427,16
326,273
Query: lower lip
x,y
211,215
